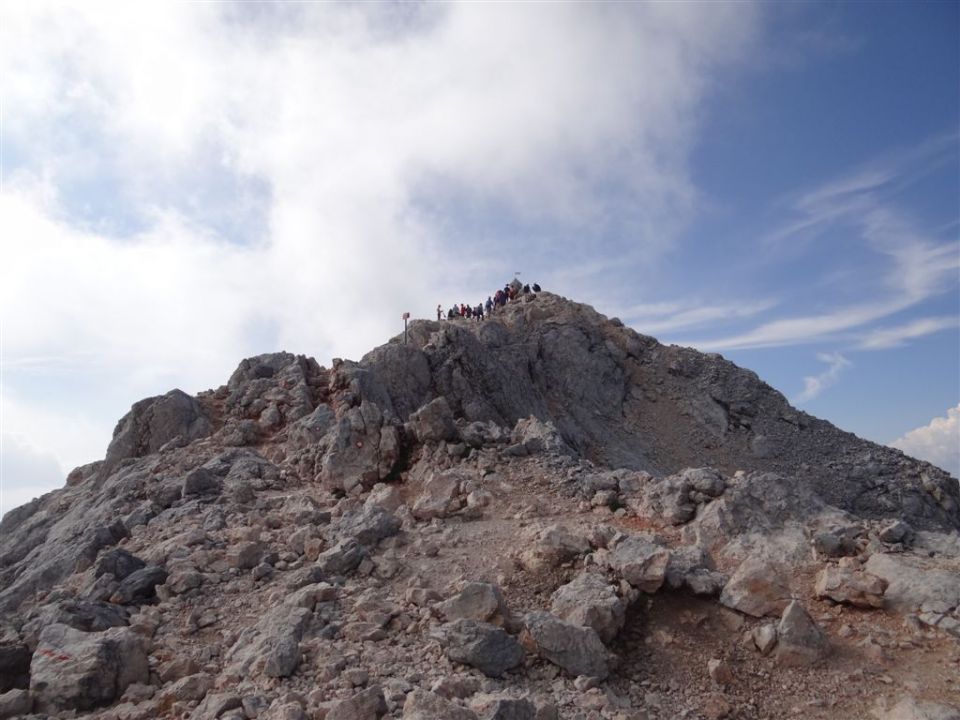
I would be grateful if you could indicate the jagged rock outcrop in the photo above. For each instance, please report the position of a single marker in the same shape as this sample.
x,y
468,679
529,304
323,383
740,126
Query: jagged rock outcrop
x,y
347,542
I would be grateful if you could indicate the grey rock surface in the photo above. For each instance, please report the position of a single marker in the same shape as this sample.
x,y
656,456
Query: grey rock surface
x,y
425,705
641,561
758,587
481,645
152,423
589,600
576,649
73,670
799,640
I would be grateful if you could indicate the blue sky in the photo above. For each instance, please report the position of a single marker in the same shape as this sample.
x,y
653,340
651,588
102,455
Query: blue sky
x,y
187,184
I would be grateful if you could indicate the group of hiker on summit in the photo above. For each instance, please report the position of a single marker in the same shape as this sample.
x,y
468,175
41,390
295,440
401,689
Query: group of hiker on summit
x,y
511,291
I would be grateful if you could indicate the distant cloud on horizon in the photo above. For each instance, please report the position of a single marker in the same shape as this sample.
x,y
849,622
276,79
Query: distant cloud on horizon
x,y
937,442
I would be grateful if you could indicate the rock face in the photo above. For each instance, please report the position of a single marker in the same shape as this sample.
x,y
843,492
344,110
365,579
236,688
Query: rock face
x,y
588,600
152,423
799,640
346,542
73,670
481,645
640,561
853,587
576,649
757,588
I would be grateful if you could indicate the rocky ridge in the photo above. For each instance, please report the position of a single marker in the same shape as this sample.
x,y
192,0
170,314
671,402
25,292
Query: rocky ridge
x,y
542,515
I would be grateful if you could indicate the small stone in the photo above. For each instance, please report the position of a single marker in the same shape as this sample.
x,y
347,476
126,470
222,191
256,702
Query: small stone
x,y
800,641
719,671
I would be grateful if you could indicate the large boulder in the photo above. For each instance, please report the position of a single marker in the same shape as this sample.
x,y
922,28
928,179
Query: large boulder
x,y
152,423
576,649
368,525
799,640
439,496
551,547
641,561
852,587
118,562
758,588
424,705
368,704
272,646
434,421
691,567
589,600
536,435
913,581
476,601
74,670
360,449
481,645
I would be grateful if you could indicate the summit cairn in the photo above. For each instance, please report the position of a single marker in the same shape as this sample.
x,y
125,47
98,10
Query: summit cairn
x,y
534,513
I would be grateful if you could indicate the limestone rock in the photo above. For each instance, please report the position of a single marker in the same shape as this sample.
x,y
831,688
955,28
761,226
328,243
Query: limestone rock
x,y
434,421
272,645
765,638
799,640
853,587
578,650
535,436
342,559
757,588
117,562
640,561
553,546
368,525
909,708
201,482
590,601
913,581
14,703
152,423
140,585
424,705
73,670
476,601
481,645
690,567
368,704
507,709
438,498
360,449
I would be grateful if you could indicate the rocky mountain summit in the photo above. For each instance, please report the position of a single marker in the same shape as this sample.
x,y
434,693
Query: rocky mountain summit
x,y
542,515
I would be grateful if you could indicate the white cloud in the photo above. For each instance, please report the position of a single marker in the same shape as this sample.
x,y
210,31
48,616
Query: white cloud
x,y
655,318
883,338
937,443
813,385
26,473
343,143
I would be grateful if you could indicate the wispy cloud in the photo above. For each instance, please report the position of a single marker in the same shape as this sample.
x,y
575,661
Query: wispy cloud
x,y
659,318
889,337
860,208
816,384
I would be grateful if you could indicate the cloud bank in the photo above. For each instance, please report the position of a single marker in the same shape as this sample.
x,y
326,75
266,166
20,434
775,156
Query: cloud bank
x,y
189,183
937,443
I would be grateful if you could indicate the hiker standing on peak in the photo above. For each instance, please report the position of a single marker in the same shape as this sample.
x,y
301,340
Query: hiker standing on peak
x,y
439,312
